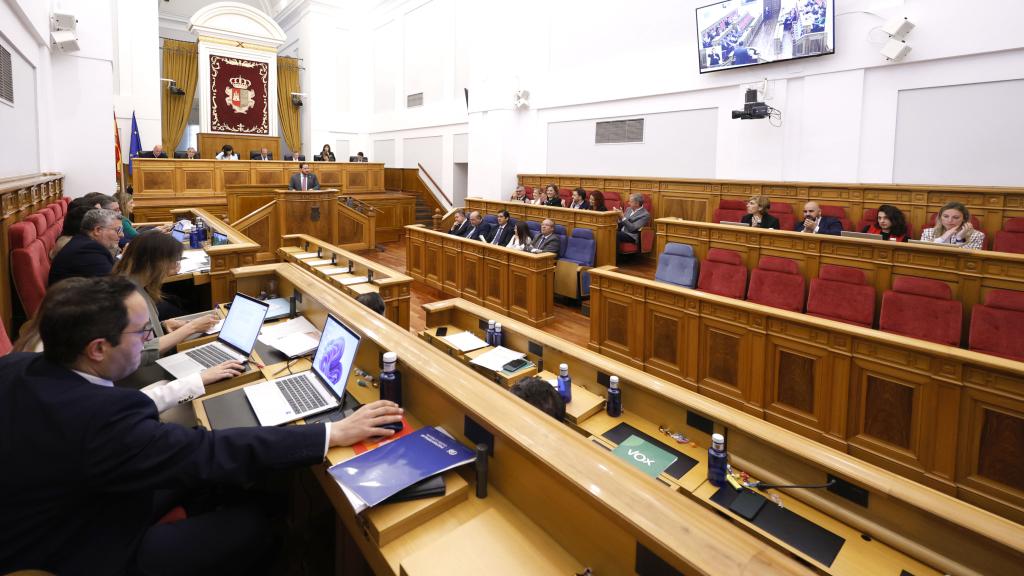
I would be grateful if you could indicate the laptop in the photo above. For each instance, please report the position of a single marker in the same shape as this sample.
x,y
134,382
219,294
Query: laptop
x,y
178,232
730,223
235,341
311,392
862,235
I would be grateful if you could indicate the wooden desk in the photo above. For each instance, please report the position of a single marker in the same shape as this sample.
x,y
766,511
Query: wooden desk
x,y
969,273
20,197
603,224
394,287
925,411
239,251
519,284
912,526
566,486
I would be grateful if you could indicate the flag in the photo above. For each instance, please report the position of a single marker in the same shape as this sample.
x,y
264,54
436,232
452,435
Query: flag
x,y
117,150
136,143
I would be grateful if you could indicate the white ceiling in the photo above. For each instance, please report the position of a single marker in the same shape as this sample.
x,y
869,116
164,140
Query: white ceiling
x,y
184,9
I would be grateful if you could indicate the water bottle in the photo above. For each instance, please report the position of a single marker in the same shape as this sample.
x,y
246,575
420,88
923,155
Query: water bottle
x,y
489,338
564,383
614,405
717,460
194,241
391,380
201,226
499,338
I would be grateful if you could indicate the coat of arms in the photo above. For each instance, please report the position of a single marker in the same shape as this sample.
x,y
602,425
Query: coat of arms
x,y
239,96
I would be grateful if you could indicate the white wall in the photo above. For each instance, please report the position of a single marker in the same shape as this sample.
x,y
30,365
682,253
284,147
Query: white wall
x,y
136,80
19,148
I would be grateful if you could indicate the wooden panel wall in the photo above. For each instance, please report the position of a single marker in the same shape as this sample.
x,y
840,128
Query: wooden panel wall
x,y
970,274
20,197
408,180
516,283
949,418
210,143
697,199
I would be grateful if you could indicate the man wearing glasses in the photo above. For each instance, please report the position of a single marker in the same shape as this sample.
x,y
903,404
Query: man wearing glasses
x,y
91,251
92,468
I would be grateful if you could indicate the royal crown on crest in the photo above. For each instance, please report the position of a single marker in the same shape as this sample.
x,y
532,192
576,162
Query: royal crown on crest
x,y
241,83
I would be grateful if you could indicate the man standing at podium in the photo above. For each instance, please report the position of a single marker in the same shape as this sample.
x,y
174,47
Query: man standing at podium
x,y
304,180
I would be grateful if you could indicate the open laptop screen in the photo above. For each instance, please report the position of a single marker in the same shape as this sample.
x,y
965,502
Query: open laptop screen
x,y
335,355
243,323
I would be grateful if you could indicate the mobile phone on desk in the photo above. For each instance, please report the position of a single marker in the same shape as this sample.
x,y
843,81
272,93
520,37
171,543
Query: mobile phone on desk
x,y
442,331
516,364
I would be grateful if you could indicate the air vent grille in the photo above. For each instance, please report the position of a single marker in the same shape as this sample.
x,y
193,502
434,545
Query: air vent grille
x,y
620,131
6,76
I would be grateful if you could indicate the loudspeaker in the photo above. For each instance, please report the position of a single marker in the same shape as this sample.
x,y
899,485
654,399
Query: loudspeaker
x,y
898,28
895,49
63,34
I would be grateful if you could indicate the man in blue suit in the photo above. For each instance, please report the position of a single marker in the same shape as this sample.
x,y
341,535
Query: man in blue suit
x,y
815,223
91,467
478,229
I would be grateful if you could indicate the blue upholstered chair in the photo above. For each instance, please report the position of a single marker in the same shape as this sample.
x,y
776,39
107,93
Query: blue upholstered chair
x,y
571,277
677,265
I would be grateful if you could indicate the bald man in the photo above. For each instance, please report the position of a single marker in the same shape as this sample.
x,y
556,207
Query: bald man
x,y
815,223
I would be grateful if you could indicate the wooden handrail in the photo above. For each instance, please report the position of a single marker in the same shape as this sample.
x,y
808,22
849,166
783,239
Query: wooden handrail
x,y
252,215
429,177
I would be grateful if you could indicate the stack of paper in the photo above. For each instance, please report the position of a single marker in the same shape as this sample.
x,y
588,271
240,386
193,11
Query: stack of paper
x,y
317,262
352,280
293,338
193,260
333,270
495,359
464,341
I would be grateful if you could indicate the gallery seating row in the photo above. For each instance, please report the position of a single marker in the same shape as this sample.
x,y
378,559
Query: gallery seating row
x,y
993,207
916,307
31,241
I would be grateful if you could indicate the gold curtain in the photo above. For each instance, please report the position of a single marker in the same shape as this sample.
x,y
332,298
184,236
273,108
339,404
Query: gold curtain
x,y
288,82
181,64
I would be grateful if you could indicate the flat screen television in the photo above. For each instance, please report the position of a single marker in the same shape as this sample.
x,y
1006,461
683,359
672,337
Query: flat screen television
x,y
739,33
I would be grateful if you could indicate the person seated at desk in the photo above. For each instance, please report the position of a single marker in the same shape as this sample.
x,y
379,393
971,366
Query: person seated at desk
x,y
477,228
541,394
91,251
373,301
325,154
547,241
156,152
551,197
953,227
635,218
579,200
361,158
97,468
264,154
815,223
889,224
757,213
521,237
191,154
597,201
519,195
304,180
502,233
76,211
461,225
227,152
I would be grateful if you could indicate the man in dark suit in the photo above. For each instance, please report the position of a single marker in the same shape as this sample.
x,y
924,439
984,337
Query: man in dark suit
x,y
635,218
815,223
96,468
477,227
157,152
547,241
461,225
90,252
502,233
263,155
304,180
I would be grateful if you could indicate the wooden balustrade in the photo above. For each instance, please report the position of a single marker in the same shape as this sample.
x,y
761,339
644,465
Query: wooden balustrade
x,y
513,282
239,251
948,418
19,197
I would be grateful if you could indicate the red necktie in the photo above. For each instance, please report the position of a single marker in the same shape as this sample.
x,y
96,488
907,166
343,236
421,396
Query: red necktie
x,y
303,182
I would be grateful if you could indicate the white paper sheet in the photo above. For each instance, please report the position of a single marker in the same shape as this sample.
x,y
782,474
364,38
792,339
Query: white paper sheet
x,y
306,255
194,254
317,262
495,359
333,270
216,327
353,280
464,341
293,338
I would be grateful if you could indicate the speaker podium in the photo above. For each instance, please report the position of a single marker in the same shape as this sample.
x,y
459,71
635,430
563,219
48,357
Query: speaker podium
x,y
323,214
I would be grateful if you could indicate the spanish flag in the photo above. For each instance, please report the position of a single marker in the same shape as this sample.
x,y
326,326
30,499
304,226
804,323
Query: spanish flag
x,y
117,150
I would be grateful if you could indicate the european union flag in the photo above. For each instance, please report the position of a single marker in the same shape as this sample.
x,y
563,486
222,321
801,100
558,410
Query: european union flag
x,y
136,143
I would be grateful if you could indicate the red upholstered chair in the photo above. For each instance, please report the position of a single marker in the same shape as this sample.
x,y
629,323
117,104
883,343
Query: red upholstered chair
x,y
997,327
39,221
612,200
777,282
869,217
931,221
529,191
30,266
566,195
922,308
1011,237
784,212
723,273
840,213
5,341
60,207
841,293
730,211
646,234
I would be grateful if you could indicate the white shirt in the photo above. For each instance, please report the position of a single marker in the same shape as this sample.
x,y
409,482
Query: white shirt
x,y
168,394
221,156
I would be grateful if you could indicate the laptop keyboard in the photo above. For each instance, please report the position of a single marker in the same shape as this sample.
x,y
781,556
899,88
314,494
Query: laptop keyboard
x,y
208,355
300,394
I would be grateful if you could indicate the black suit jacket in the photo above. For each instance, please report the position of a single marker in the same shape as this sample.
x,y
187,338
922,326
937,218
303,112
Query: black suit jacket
x,y
477,232
767,221
828,225
506,233
460,230
296,182
80,476
149,154
81,256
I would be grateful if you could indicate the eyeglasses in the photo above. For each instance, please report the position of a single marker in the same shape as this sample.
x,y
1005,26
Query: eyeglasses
x,y
119,229
146,333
